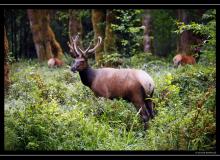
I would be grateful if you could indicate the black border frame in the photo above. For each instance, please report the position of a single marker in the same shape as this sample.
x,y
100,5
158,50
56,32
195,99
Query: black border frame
x,y
110,153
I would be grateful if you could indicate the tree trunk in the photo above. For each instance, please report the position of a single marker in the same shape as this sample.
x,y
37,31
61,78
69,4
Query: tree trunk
x,y
6,65
75,25
110,37
44,38
98,19
147,43
12,15
183,45
15,33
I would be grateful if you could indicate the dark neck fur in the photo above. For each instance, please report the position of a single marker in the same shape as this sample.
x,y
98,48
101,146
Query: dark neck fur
x,y
87,76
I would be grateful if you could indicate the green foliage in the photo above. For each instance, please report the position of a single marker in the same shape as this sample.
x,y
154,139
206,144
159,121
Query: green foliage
x,y
11,58
207,29
50,109
60,22
182,107
88,33
145,59
112,60
163,25
127,28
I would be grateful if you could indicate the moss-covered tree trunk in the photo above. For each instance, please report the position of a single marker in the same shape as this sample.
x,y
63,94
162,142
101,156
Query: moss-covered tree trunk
x,y
110,37
45,42
75,25
6,65
147,43
187,39
183,44
98,19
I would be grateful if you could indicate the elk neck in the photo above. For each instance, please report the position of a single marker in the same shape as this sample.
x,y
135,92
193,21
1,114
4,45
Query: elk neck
x,y
87,76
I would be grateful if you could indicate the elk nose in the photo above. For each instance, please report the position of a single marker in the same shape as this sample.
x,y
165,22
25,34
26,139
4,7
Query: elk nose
x,y
73,69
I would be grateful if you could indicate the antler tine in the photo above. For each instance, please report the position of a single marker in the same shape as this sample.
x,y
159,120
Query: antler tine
x,y
80,50
71,48
69,45
98,43
75,45
87,48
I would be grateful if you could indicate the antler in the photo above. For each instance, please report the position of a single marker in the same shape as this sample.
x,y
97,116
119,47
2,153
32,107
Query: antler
x,y
84,52
73,46
88,50
98,43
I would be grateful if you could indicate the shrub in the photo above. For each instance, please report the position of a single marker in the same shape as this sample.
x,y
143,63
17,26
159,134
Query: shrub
x,y
50,109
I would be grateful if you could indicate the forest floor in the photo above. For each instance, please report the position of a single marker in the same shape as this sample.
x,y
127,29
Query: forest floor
x,y
50,109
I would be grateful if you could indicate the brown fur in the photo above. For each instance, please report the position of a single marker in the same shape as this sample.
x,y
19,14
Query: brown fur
x,y
182,59
130,84
57,62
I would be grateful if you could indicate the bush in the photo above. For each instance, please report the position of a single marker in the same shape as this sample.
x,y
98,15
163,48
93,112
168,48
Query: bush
x,y
50,109
184,122
112,60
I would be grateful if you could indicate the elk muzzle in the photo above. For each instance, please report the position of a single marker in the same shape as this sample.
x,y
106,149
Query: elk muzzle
x,y
74,69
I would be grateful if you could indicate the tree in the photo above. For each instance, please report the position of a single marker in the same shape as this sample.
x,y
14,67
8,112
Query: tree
x,y
183,45
19,34
188,37
75,25
147,43
127,26
45,42
98,19
110,37
164,41
6,65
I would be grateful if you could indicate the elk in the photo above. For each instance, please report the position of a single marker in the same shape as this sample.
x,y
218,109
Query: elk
x,y
182,59
133,85
54,62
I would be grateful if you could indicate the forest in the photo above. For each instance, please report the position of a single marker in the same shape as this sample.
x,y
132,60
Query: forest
x,y
47,107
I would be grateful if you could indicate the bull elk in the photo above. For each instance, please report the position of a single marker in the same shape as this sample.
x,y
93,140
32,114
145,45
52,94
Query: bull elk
x,y
133,85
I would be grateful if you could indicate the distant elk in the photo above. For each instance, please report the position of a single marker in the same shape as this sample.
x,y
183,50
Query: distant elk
x,y
54,62
183,59
133,85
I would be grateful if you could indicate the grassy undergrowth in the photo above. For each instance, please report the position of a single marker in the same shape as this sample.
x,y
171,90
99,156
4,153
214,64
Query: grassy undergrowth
x,y
50,109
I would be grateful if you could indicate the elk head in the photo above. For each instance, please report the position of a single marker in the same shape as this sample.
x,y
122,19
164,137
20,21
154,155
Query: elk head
x,y
81,56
